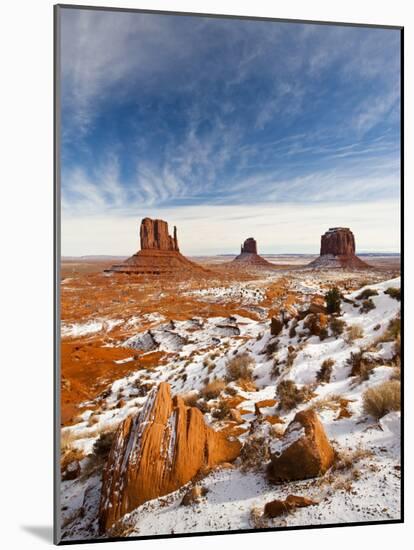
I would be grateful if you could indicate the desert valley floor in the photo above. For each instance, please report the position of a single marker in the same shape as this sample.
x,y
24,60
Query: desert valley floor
x,y
210,337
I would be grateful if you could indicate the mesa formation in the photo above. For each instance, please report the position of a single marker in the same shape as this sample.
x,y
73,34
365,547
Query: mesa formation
x,y
160,253
214,393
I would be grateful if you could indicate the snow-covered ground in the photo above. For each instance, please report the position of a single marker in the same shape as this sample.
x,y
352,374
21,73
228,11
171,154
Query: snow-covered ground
x,y
198,352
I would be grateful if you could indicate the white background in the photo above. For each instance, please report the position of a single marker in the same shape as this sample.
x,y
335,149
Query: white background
x,y
26,290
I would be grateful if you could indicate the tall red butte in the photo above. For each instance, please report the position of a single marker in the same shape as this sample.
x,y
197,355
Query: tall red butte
x,y
249,257
159,254
338,250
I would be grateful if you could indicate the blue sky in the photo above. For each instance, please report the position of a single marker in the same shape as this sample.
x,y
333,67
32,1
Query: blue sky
x,y
228,129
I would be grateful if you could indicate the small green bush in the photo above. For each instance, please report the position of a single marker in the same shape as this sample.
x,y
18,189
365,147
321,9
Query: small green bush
x,y
333,300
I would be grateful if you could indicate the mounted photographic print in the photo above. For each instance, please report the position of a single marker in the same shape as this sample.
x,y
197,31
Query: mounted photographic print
x,y
228,296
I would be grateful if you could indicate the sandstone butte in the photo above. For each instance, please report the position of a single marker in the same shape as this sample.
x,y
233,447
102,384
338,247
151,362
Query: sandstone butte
x,y
338,250
249,256
303,452
159,253
158,451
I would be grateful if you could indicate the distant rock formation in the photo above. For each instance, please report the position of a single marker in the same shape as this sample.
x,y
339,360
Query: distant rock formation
x,y
338,250
159,254
154,235
249,257
158,451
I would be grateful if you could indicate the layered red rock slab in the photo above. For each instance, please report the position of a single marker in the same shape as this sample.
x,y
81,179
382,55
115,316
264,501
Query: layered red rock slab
x,y
158,451
249,256
277,508
159,254
303,452
338,250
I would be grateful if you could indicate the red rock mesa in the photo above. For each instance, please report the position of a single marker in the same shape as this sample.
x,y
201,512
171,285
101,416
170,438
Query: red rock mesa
x,y
157,452
159,254
249,256
338,250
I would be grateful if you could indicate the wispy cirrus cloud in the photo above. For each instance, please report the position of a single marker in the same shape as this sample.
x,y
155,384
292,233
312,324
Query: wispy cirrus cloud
x,y
163,112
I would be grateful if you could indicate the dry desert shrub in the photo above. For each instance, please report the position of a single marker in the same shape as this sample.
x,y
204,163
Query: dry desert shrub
x,y
367,293
382,399
394,293
190,398
367,305
331,402
271,348
337,326
213,389
346,459
325,372
240,367
290,395
354,332
222,410
255,453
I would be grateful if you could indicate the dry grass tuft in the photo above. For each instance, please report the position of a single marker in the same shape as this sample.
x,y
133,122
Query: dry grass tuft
x,y
325,372
382,399
240,367
354,332
213,389
337,326
190,398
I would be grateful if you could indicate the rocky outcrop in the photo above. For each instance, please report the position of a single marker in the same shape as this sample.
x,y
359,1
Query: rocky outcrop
x,y
158,451
249,246
277,508
249,257
338,250
159,254
154,236
303,452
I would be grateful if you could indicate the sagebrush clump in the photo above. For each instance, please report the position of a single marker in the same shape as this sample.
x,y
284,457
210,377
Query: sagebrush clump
x,y
382,399
367,293
290,395
325,372
213,389
337,326
394,293
240,367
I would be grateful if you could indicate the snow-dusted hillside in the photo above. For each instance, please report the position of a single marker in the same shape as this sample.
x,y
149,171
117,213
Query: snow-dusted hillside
x,y
197,353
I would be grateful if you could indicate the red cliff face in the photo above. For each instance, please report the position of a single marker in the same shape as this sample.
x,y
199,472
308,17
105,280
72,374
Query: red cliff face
x,y
158,451
339,241
154,236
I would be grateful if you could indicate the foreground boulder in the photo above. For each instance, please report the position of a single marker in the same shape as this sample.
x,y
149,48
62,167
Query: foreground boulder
x,y
277,508
158,451
303,452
